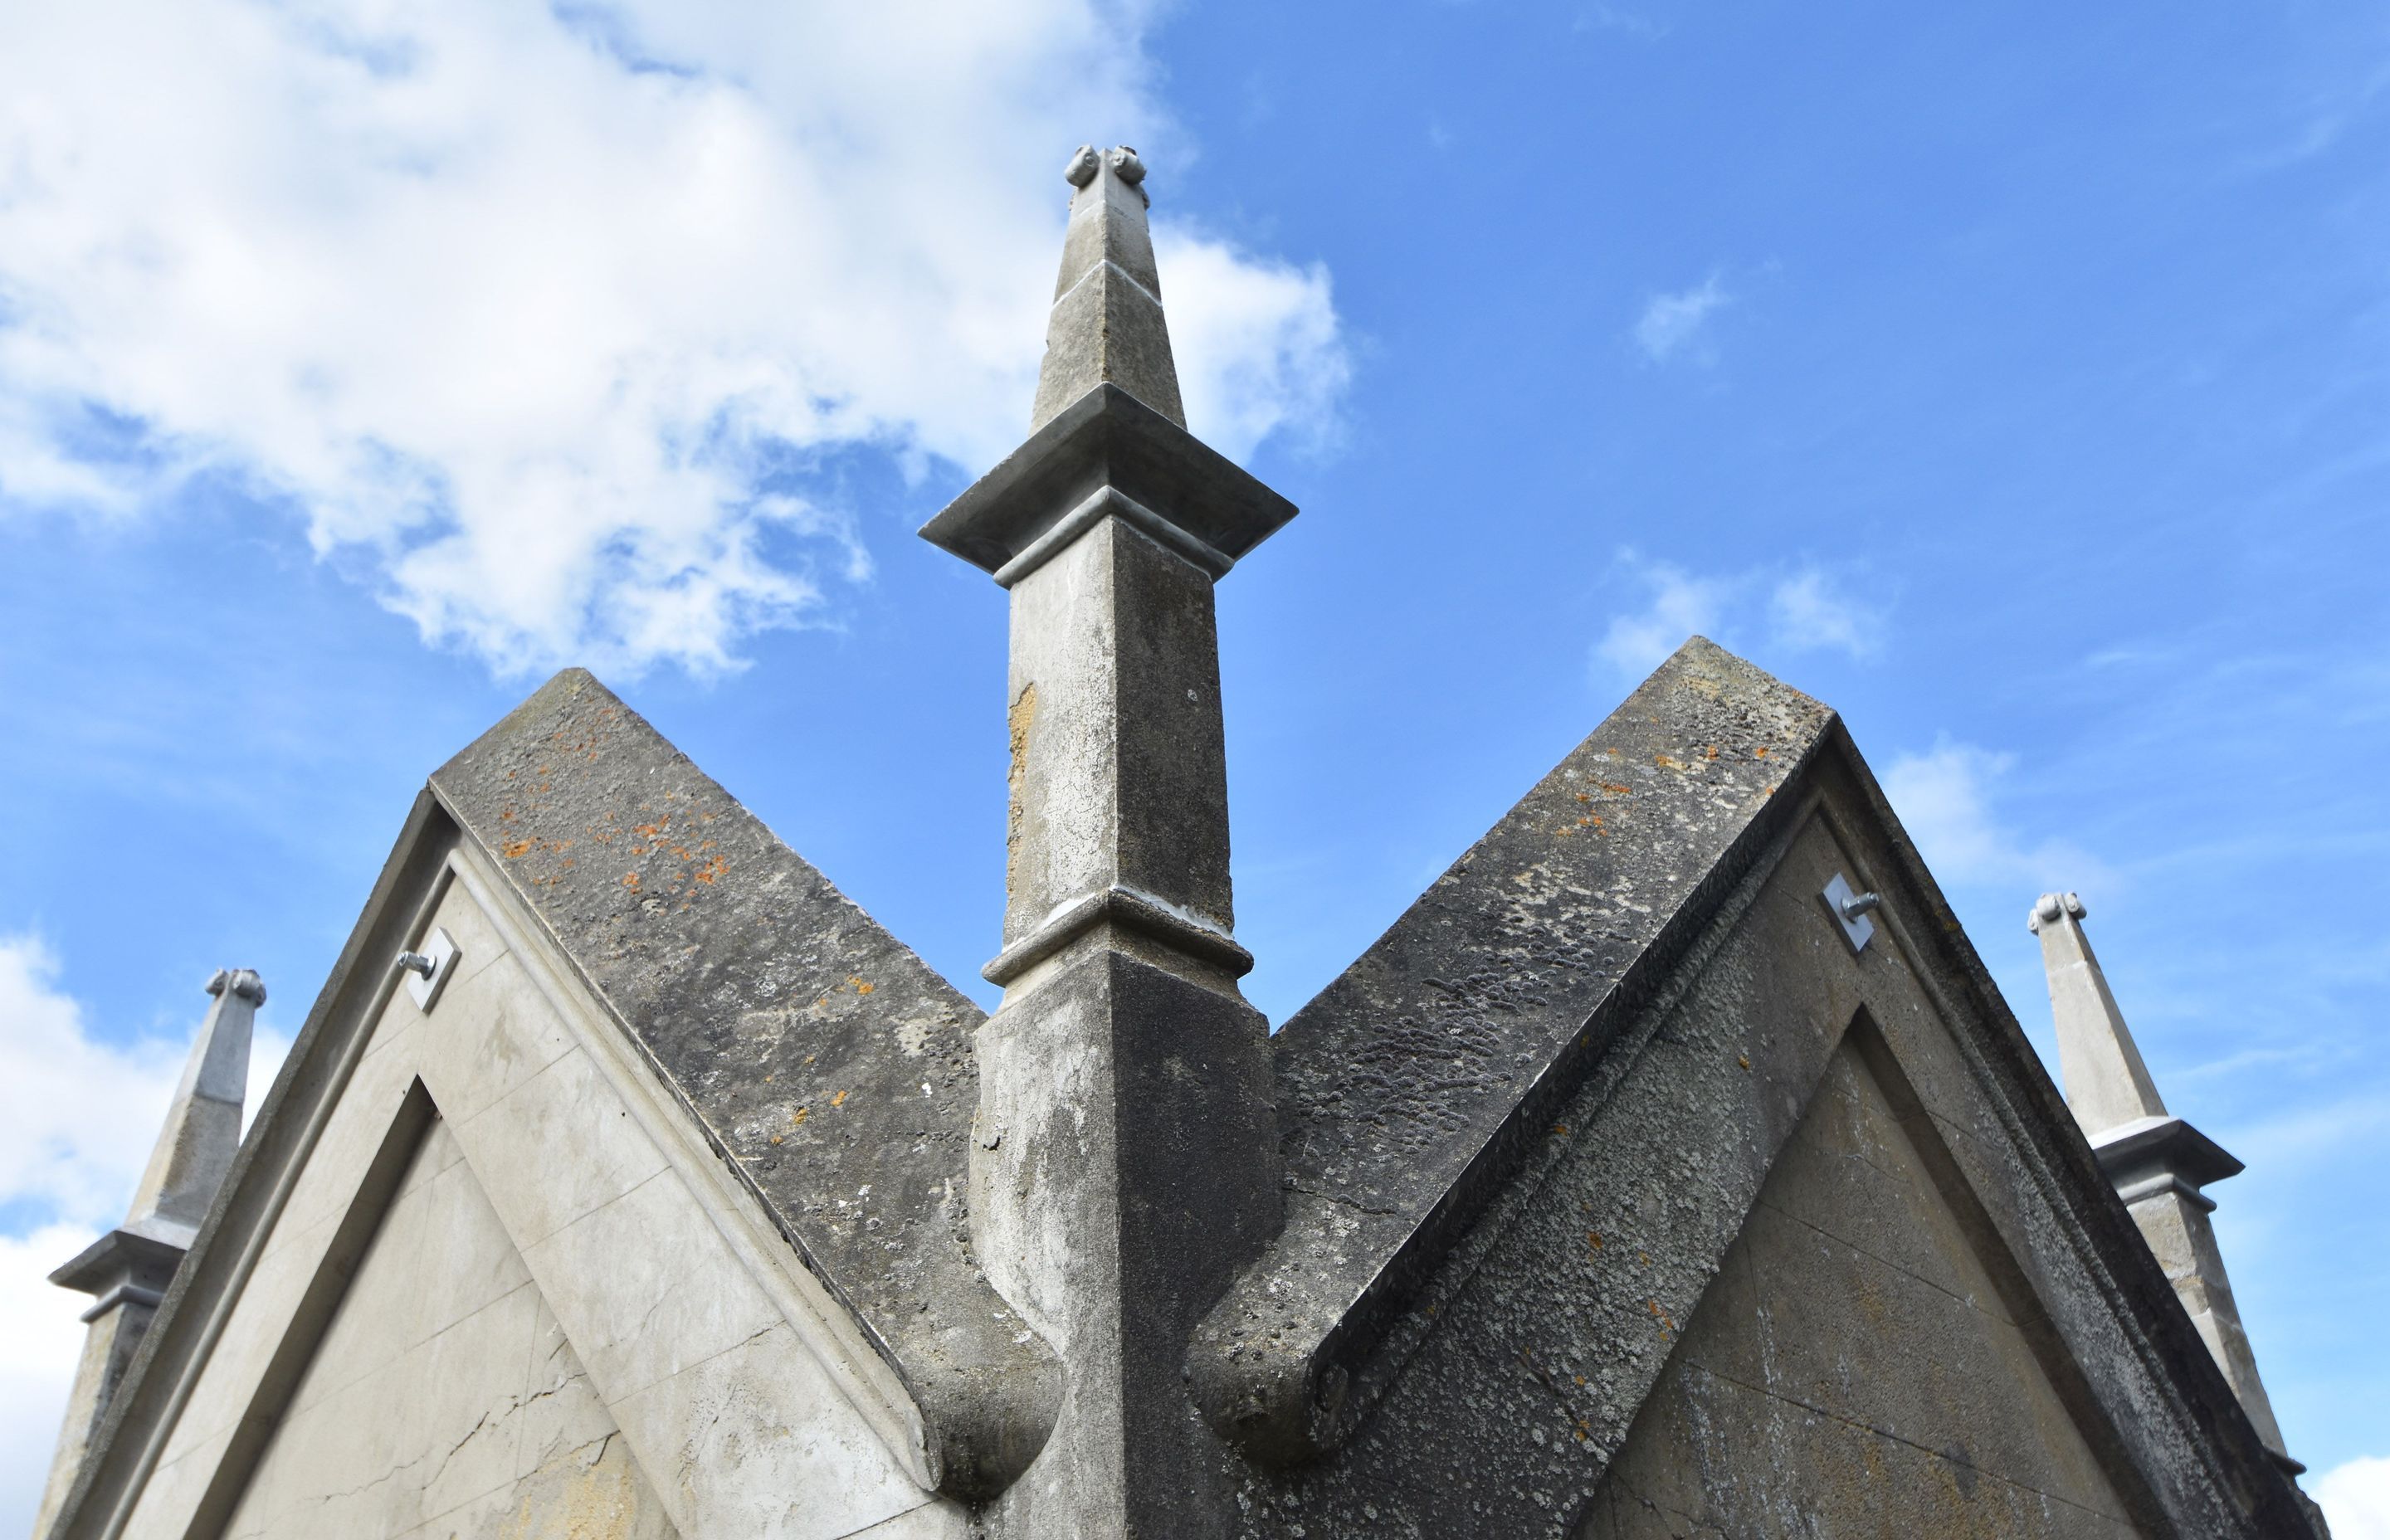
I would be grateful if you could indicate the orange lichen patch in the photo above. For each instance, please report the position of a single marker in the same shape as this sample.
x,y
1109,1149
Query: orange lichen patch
x,y
651,831
1617,791
797,1118
863,988
1760,753
1744,1059
1667,762
515,849
631,881
1616,754
1585,796
712,870
1710,753
1593,1238
776,1138
857,986
1559,1128
839,1100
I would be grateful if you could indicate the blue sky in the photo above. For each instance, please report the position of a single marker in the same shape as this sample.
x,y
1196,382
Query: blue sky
x,y
2018,383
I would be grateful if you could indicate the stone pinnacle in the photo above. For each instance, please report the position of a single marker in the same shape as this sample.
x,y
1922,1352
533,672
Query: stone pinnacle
x,y
2107,1084
202,1129
2157,1162
1107,324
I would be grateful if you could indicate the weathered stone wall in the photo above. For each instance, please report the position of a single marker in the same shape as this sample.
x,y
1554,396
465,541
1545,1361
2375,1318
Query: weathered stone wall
x,y
1853,1369
443,1400
379,1360
1517,1374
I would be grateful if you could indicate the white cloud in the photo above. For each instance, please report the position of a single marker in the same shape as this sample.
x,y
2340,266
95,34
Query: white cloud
x,y
37,1362
1256,342
1944,799
546,311
2355,1498
1811,613
1809,609
1672,324
77,1115
78,1118
1682,606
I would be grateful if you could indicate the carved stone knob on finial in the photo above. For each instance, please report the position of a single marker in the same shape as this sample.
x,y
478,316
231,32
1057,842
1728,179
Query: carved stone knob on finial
x,y
1127,166
2051,905
243,982
1082,167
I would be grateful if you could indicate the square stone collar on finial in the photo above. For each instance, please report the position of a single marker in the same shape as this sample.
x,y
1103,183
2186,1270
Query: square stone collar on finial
x,y
1108,455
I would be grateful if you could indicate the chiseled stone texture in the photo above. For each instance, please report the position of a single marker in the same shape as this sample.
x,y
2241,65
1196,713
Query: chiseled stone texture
x,y
1413,1087
443,1399
1490,1393
829,1066
1853,1370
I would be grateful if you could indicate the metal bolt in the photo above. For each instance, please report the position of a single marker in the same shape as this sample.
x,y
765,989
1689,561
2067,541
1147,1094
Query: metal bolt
x,y
1860,903
415,962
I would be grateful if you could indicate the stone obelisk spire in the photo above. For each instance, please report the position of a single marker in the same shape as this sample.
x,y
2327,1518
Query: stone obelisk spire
x,y
128,1268
1124,1162
2158,1163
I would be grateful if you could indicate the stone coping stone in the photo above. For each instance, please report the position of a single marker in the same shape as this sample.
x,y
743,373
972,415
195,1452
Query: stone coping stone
x,y
826,1062
1412,1087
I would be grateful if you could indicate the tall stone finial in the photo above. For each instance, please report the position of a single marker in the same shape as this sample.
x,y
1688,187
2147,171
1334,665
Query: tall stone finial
x,y
2107,1084
2158,1163
127,1270
1124,1163
1107,323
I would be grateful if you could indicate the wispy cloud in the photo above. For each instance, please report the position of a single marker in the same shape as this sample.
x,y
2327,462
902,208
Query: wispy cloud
x,y
1807,609
1947,798
1599,17
545,324
1674,326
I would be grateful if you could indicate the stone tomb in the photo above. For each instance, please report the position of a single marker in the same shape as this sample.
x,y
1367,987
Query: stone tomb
x,y
1670,1167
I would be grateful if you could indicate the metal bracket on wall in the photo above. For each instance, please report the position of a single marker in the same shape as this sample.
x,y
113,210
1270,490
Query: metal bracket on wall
x,y
428,970
1850,911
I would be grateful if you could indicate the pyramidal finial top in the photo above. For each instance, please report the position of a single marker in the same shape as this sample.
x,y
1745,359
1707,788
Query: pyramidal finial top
x,y
202,1129
1107,324
2107,1084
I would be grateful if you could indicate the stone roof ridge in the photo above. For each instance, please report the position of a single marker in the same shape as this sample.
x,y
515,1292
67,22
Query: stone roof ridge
x,y
1414,1083
827,1065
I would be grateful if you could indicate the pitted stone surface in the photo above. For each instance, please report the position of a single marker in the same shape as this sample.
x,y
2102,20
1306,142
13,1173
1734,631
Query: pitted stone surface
x,y
1855,1362
1408,1088
829,1066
